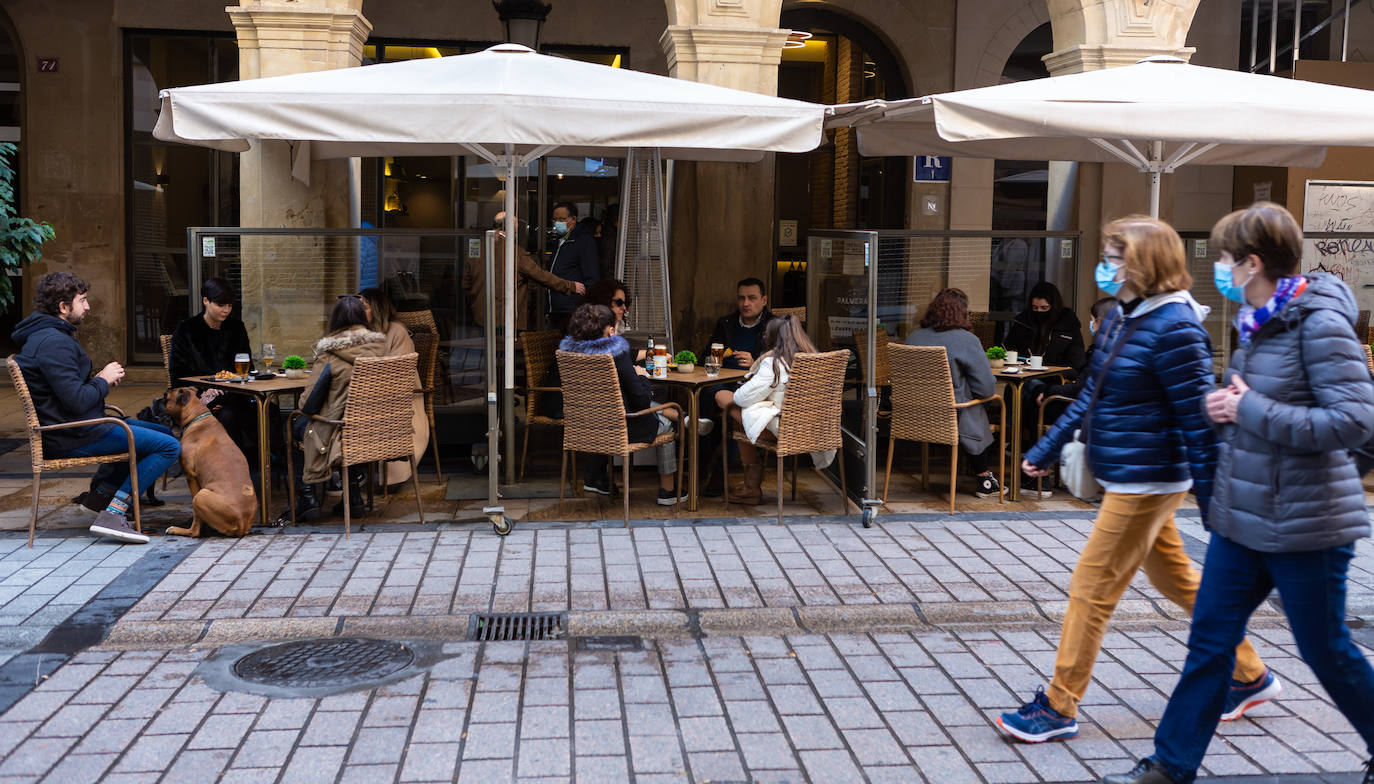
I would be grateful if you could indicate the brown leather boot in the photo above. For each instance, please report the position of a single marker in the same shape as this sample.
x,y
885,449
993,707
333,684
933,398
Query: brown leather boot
x,y
750,492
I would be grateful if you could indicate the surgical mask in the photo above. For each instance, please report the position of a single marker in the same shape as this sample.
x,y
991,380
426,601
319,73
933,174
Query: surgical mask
x,y
1092,327
1223,275
560,228
1105,276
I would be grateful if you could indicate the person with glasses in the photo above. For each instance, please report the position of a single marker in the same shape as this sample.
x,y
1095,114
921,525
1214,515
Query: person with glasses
x,y
1148,444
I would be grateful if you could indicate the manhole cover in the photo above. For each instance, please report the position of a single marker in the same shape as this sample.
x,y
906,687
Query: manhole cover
x,y
315,664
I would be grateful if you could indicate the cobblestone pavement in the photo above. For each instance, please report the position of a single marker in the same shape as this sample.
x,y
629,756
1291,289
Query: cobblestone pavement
x,y
804,652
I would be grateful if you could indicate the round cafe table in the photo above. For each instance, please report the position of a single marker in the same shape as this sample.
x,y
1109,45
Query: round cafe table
x,y
1015,379
693,383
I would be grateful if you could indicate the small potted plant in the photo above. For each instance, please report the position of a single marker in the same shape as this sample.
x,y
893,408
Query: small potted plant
x,y
997,357
294,366
686,361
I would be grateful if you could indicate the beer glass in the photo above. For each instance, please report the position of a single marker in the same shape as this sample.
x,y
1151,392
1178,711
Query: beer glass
x,y
269,355
241,364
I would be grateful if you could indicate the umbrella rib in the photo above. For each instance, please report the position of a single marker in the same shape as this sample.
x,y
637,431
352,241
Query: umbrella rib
x,y
482,152
1129,155
537,153
1183,157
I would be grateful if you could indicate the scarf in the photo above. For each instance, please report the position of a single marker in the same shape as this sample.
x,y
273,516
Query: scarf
x,y
1251,319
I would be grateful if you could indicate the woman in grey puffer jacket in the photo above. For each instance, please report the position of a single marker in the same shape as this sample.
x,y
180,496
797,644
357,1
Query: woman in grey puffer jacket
x,y
1287,501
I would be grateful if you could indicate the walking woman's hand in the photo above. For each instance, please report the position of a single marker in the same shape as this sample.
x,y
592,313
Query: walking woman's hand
x,y
1238,389
1033,471
1216,405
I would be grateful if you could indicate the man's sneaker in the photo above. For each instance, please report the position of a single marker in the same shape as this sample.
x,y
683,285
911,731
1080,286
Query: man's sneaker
x,y
117,526
1147,771
1242,697
1037,722
600,485
93,500
671,497
1030,491
987,485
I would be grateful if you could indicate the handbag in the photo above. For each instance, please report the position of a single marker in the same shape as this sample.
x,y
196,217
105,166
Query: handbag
x,y
1074,471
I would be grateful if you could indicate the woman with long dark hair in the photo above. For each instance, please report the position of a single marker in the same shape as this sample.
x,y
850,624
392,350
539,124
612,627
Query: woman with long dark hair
x,y
1048,329
1289,504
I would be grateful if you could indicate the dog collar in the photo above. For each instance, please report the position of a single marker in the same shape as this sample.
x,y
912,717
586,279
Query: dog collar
x,y
188,425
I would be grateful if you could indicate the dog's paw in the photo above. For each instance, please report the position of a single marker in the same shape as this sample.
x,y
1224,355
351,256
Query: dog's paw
x,y
174,530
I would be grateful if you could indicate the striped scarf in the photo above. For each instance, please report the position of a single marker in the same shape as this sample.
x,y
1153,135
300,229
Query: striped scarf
x,y
1251,319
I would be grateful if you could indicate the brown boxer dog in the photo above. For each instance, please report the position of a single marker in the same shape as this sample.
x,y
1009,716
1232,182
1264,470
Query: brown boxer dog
x,y
222,494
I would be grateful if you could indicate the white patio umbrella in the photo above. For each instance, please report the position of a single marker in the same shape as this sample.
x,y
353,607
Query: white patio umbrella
x,y
1156,115
507,105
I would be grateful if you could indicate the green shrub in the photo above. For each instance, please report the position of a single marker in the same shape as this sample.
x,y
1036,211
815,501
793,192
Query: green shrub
x,y
293,362
997,352
685,357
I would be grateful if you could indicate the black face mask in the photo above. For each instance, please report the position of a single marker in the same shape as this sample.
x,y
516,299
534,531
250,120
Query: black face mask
x,y
1039,316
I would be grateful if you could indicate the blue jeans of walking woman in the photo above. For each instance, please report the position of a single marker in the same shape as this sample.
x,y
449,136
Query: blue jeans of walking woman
x,y
155,446
1235,579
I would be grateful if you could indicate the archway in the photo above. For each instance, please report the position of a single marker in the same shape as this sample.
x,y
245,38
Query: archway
x,y
11,131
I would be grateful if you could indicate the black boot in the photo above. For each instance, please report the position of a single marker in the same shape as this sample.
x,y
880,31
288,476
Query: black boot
x,y
308,506
357,507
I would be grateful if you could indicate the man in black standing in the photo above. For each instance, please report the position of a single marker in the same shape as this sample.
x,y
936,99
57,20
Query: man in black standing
x,y
576,259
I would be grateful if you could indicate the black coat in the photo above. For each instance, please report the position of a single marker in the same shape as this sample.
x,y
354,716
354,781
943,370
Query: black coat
x,y
1063,346
200,350
58,373
635,390
577,259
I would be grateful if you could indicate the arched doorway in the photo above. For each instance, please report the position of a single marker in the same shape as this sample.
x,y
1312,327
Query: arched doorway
x,y
11,86
1019,200
833,186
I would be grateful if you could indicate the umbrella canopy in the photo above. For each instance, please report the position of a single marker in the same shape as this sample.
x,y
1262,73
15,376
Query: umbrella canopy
x,y
506,95
1156,115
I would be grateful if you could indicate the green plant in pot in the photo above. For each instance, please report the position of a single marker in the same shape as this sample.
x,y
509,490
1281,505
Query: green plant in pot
x,y
294,366
686,361
997,356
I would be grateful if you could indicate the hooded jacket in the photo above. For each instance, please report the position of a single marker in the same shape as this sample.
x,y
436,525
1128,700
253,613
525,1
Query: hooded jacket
x,y
1064,346
1285,480
635,390
335,354
58,373
1147,425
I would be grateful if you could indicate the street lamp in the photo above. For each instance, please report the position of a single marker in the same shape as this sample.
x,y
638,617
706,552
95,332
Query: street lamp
x,y
522,19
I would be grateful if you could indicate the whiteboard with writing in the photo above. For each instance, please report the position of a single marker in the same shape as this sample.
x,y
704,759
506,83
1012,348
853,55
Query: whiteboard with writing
x,y
1347,207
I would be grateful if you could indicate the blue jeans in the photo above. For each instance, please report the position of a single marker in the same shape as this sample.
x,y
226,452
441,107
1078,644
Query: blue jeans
x,y
1235,579
154,445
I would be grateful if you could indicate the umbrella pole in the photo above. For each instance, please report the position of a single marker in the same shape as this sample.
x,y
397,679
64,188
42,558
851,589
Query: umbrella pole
x,y
1156,164
509,317
493,507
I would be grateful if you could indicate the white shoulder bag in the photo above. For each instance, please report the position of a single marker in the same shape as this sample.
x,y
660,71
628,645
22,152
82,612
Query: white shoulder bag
x,y
1074,470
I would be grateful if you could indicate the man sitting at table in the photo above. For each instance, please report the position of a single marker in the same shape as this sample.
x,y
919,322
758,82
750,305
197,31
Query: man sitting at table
x,y
741,333
205,344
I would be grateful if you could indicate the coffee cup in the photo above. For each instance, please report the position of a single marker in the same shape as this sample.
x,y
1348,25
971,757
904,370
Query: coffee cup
x,y
1011,358
1035,362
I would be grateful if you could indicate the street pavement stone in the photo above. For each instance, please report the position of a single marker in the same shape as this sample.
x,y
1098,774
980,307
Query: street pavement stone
x,y
911,703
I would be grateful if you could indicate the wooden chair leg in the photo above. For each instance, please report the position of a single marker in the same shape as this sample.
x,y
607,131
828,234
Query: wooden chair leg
x,y
348,513
953,474
562,481
844,490
780,474
33,513
625,489
925,465
887,478
415,480
290,475
725,459
1002,459
525,453
434,442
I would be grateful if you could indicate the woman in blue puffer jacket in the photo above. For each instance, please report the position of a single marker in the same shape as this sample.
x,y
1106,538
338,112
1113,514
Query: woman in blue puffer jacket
x,y
1289,504
1148,444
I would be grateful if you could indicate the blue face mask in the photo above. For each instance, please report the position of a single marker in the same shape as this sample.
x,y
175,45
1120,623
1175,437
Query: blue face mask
x,y
1223,277
560,228
1105,276
1092,327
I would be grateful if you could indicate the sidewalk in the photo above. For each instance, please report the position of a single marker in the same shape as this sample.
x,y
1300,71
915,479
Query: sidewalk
x,y
734,651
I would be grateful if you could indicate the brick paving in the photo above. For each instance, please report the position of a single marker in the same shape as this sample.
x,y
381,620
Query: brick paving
x,y
861,655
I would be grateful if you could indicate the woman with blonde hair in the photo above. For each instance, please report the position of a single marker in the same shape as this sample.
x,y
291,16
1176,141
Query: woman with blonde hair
x,y
755,406
381,314
1148,444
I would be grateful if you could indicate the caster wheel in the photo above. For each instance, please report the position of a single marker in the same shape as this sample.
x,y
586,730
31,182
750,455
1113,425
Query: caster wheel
x,y
501,525
869,514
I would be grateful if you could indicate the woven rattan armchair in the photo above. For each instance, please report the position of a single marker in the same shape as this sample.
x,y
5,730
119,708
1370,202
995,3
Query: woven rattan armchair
x,y
376,425
166,342
594,418
539,349
924,410
984,328
427,348
40,464
423,321
882,370
798,313
808,422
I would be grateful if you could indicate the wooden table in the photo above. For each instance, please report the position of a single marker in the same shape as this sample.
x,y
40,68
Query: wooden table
x,y
263,393
694,382
1014,381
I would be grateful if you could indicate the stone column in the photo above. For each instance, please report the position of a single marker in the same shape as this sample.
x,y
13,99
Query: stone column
x,y
281,299
722,223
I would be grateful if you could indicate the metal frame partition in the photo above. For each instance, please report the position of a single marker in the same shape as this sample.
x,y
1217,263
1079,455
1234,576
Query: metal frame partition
x,y
898,271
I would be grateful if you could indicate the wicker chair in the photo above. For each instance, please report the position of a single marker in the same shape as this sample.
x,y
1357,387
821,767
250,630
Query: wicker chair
x,y
539,348
423,321
40,464
798,313
427,347
808,422
924,409
1369,357
985,329
376,425
166,342
594,418
882,370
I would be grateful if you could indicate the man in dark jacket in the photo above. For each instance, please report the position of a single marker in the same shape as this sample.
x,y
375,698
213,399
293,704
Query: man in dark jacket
x,y
58,373
741,332
576,259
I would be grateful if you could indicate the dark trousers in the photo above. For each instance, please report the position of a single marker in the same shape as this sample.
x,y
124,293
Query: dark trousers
x,y
1235,579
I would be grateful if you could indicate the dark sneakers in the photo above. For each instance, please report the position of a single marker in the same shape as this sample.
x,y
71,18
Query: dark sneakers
x,y
1037,722
601,485
671,497
116,526
988,486
1244,696
1147,771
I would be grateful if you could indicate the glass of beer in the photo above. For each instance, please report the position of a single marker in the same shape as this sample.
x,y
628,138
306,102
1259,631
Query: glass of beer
x,y
269,355
241,364
718,353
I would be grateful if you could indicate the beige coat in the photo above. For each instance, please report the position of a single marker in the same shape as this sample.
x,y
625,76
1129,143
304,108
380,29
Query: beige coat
x,y
337,352
398,342
474,277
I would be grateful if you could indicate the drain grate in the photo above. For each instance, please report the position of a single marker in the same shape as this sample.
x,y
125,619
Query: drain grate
x,y
315,664
494,627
